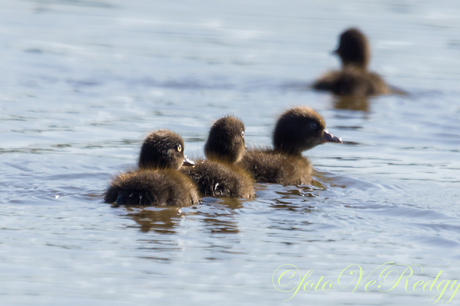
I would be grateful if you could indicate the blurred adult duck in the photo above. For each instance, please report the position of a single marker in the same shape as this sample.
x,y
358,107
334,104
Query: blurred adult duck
x,y
354,79
157,181
219,175
298,129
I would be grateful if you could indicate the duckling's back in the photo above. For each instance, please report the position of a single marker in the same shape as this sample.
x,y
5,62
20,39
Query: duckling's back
x,y
268,166
349,82
219,179
152,187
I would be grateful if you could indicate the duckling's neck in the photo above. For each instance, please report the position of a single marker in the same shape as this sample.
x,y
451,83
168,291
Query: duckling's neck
x,y
222,159
292,153
355,67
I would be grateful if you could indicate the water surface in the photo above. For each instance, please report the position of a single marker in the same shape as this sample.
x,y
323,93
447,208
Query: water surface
x,y
83,82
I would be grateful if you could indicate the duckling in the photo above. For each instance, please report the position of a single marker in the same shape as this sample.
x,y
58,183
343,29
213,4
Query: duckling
x,y
354,79
218,175
157,181
298,129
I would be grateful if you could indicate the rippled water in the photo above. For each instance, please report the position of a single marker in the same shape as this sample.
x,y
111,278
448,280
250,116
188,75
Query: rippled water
x,y
83,82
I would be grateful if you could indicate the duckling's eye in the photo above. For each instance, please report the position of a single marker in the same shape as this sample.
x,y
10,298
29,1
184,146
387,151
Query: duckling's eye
x,y
242,134
312,126
179,148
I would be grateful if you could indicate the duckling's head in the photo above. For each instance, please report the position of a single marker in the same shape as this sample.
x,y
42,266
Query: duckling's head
x,y
226,140
354,49
299,129
163,149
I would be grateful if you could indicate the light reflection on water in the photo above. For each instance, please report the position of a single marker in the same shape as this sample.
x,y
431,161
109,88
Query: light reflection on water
x,y
83,82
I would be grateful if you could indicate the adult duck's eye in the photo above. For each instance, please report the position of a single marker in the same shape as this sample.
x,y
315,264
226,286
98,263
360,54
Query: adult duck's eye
x,y
242,134
312,126
179,148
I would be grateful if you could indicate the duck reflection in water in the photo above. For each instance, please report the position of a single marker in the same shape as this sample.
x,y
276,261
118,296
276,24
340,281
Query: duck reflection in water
x,y
355,103
218,216
162,220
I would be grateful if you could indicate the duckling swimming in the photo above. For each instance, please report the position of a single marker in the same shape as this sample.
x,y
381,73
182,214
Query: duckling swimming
x,y
218,175
354,79
298,129
157,182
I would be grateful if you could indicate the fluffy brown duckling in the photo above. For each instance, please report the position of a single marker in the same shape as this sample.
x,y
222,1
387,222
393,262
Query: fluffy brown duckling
x,y
218,175
298,129
157,182
354,79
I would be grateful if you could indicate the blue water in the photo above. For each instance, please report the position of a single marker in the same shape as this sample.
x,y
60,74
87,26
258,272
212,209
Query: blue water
x,y
83,82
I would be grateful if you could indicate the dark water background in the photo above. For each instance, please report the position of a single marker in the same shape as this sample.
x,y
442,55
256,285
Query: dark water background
x,y
83,82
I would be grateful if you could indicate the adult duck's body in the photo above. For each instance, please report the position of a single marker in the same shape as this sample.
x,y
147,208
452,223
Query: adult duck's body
x,y
219,175
157,181
297,130
354,79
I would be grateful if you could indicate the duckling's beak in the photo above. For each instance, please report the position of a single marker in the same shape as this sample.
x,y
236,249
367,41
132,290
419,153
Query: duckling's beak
x,y
188,162
335,52
327,137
